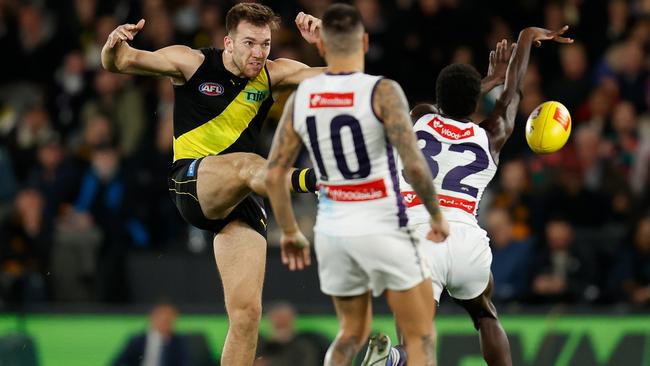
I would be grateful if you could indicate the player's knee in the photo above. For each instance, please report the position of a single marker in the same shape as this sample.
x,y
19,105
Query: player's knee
x,y
245,318
248,165
248,161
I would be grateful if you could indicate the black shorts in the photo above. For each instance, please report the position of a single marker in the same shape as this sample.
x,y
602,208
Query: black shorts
x,y
182,190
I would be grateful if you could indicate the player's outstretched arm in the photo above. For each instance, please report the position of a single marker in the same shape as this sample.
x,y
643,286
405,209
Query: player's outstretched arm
x,y
500,123
391,106
284,151
289,73
178,62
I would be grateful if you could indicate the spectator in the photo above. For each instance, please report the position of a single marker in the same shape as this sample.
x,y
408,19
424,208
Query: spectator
x,y
34,128
513,195
7,182
285,346
572,87
71,90
211,28
633,75
510,257
36,42
123,104
55,176
106,195
564,269
632,273
97,131
160,345
24,251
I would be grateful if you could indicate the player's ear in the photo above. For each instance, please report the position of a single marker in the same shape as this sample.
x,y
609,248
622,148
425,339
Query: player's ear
x,y
365,42
321,47
228,43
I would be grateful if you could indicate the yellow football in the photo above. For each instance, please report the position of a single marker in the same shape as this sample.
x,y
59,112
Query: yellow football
x,y
548,127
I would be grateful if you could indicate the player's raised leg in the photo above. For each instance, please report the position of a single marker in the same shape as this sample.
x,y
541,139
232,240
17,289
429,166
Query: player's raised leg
x,y
240,253
494,341
355,316
224,180
414,312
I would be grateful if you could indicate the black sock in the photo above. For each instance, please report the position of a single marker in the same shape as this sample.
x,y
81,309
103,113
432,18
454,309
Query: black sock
x,y
303,180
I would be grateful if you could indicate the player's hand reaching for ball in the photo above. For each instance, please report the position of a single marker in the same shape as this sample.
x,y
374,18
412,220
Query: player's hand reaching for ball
x,y
541,34
295,250
499,59
124,32
309,27
439,229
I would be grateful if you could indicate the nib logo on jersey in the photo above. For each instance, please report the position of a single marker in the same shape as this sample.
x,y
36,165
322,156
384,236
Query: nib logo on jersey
x,y
254,95
331,100
450,131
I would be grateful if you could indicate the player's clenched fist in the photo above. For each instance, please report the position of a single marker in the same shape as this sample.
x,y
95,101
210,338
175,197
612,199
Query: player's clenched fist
x,y
439,229
124,32
309,27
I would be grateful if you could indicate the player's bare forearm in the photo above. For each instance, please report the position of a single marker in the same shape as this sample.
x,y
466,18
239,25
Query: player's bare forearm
x,y
284,151
113,57
392,107
518,66
173,61
280,199
287,73
302,74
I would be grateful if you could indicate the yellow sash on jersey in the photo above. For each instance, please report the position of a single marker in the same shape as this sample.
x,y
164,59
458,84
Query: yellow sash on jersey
x,y
217,134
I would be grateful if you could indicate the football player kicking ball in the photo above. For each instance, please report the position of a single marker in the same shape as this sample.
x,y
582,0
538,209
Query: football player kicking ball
x,y
463,158
346,119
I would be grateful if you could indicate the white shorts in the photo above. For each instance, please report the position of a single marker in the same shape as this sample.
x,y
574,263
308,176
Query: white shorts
x,y
352,265
461,264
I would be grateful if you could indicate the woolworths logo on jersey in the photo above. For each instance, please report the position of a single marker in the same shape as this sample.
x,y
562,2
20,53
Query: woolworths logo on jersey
x,y
254,95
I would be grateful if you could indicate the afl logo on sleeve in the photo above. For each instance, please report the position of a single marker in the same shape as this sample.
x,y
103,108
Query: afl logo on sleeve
x,y
211,89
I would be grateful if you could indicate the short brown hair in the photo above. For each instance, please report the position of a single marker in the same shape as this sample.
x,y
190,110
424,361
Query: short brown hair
x,y
257,14
342,29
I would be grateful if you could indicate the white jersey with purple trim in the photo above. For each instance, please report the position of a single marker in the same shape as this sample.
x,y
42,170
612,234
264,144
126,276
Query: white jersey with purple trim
x,y
458,154
355,165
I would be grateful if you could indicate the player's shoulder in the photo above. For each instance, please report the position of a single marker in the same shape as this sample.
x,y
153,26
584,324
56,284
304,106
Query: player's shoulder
x,y
422,109
384,84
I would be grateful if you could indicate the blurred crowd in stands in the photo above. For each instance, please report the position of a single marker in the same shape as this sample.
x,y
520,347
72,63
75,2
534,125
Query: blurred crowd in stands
x,y
162,344
84,153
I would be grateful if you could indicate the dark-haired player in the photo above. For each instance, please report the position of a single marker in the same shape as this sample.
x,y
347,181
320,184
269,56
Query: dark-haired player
x,y
463,158
351,124
221,98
